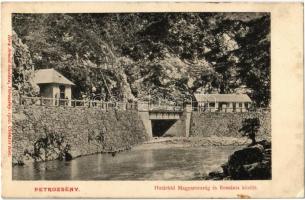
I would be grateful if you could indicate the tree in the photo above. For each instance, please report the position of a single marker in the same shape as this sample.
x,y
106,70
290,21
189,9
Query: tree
x,y
22,69
169,54
249,128
254,56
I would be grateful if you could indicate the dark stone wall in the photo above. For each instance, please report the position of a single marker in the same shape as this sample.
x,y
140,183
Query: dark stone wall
x,y
48,133
227,124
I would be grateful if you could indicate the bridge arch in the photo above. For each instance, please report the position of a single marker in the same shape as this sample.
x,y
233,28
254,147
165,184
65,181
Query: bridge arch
x,y
165,120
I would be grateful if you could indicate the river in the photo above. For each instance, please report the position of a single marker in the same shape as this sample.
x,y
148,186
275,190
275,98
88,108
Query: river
x,y
171,163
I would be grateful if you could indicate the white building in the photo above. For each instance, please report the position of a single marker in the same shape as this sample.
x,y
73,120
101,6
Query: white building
x,y
223,102
53,85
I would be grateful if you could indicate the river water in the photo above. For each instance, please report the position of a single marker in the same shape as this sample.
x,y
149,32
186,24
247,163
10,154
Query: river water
x,y
174,163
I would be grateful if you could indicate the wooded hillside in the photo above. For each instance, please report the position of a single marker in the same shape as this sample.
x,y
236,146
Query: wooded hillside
x,y
167,55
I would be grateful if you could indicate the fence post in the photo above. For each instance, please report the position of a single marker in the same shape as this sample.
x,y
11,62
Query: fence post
x,y
41,101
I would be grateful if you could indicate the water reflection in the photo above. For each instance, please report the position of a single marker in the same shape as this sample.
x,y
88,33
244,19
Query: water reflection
x,y
139,164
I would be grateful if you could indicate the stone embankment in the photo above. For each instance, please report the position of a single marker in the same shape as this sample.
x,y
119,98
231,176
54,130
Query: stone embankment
x,y
49,133
227,124
250,163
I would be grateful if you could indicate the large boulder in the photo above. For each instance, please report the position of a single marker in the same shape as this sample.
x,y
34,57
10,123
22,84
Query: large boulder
x,y
250,163
235,167
258,170
247,155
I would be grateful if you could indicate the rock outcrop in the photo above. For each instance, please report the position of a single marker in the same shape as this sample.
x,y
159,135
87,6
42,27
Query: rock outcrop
x,y
250,163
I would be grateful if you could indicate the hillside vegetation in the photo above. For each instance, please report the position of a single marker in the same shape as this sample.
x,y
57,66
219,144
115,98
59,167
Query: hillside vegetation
x,y
129,56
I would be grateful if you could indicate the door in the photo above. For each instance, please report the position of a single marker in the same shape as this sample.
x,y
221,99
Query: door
x,y
62,95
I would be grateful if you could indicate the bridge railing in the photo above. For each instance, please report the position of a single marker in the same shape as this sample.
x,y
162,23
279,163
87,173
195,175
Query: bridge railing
x,y
165,107
146,106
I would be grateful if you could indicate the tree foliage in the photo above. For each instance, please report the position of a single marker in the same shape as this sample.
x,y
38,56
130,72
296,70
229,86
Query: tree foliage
x,y
170,55
249,128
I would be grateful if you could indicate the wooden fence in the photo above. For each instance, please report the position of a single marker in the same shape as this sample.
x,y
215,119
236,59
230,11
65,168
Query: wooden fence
x,y
203,109
141,106
102,105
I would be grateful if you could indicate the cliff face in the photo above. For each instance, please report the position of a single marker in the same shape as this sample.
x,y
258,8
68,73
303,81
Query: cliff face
x,y
48,133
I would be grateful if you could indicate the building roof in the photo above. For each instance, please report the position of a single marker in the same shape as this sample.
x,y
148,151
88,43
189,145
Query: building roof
x,y
43,76
223,97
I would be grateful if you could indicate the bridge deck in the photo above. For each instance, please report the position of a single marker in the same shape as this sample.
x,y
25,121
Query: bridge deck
x,y
168,115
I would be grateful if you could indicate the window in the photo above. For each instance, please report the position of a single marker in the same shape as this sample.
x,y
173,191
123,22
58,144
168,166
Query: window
x,y
212,104
234,107
240,105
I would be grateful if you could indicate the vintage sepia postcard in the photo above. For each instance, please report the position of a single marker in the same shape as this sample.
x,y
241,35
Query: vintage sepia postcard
x,y
152,100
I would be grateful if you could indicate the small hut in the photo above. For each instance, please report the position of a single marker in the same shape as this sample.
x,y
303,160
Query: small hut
x,y
53,86
223,102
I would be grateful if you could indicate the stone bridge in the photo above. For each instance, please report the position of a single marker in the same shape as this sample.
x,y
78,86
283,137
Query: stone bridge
x,y
165,120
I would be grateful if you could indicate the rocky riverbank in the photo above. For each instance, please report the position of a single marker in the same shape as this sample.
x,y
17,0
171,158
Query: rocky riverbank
x,y
249,163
